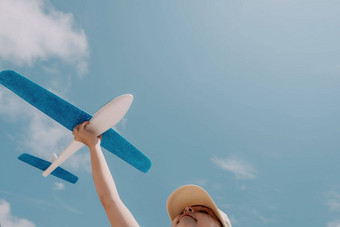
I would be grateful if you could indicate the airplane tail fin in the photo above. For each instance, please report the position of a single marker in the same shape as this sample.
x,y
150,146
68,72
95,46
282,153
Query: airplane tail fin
x,y
43,165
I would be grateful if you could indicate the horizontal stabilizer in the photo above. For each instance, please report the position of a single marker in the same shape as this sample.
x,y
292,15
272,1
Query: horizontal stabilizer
x,y
43,165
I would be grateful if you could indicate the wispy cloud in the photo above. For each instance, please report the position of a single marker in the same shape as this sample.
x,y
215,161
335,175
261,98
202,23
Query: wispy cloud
x,y
10,105
56,203
121,125
240,169
29,199
334,201
34,30
334,224
43,136
59,186
80,160
244,187
7,219
262,218
333,204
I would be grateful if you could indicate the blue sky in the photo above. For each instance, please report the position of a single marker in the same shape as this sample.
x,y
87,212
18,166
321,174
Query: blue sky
x,y
239,97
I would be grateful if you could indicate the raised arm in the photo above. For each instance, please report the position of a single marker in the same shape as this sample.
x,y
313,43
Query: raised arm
x,y
118,214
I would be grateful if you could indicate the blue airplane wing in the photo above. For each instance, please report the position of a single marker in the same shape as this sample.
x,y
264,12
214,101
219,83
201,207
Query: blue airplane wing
x,y
70,116
43,165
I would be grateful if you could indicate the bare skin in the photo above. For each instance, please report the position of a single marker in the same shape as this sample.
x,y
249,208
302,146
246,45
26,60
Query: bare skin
x,y
116,211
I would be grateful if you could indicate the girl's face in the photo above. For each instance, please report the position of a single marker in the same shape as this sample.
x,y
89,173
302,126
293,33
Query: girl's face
x,y
196,216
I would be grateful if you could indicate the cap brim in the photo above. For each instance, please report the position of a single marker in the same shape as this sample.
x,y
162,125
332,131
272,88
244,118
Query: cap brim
x,y
190,195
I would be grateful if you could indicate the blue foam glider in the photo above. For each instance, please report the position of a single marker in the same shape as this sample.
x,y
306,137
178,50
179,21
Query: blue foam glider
x,y
69,116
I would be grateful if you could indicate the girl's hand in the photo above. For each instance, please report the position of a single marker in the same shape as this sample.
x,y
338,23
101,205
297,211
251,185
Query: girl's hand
x,y
84,136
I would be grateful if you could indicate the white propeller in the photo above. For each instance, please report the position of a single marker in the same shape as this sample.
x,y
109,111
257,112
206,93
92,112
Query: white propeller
x,y
104,119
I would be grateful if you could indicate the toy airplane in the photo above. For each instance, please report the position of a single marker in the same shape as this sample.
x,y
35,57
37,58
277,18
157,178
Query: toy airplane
x,y
70,116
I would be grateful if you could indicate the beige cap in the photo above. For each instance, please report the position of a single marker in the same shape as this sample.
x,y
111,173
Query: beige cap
x,y
190,195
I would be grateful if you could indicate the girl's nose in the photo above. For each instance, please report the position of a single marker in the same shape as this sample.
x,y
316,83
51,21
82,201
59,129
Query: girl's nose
x,y
187,210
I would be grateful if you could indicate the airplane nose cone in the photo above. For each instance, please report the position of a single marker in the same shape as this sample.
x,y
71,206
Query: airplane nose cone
x,y
128,98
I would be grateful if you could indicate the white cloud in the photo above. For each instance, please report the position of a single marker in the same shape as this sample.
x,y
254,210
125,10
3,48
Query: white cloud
x,y
244,187
121,125
44,137
34,30
10,105
56,203
80,160
7,219
333,204
334,224
59,186
241,169
263,219
334,201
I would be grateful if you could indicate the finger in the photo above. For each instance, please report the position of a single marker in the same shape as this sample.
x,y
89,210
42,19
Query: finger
x,y
76,129
87,123
82,126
